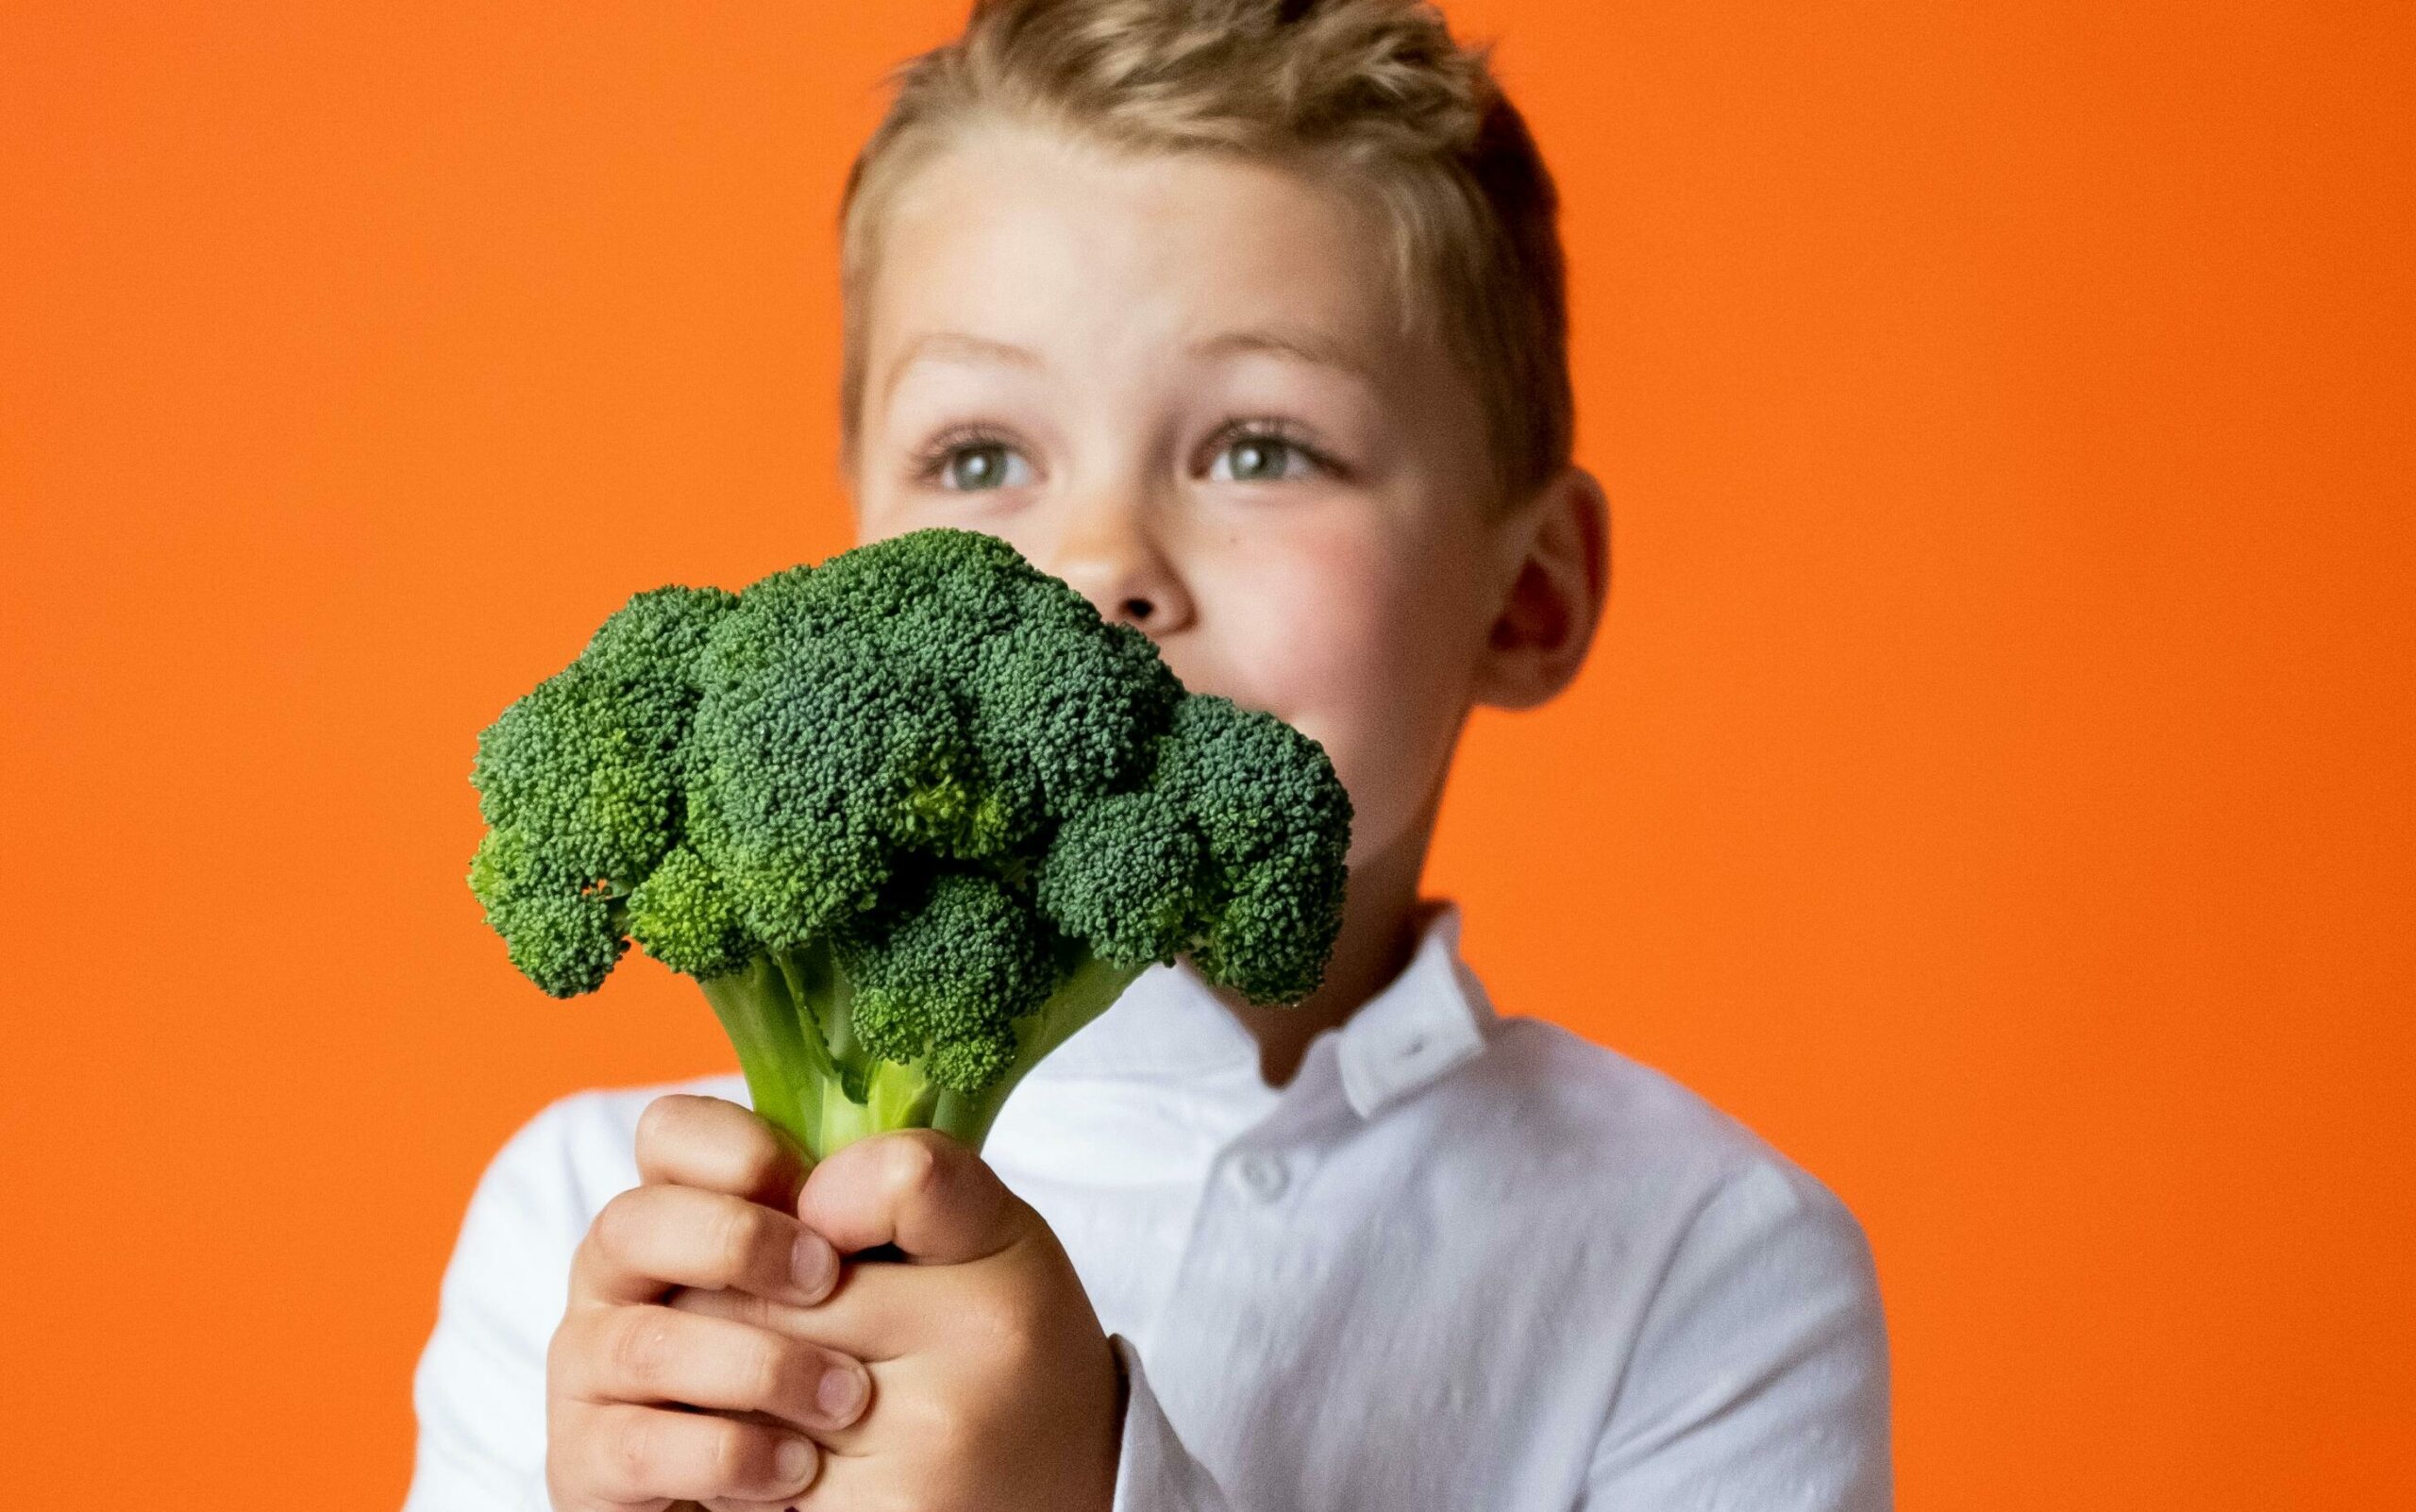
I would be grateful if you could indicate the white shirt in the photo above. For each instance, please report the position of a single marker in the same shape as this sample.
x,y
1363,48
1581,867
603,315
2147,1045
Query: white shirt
x,y
1458,1262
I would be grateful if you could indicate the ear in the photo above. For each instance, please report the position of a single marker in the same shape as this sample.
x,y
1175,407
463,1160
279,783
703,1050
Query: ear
x,y
1558,560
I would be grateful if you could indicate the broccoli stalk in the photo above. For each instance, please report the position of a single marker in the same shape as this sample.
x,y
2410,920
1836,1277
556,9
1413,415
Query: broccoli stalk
x,y
827,1091
911,818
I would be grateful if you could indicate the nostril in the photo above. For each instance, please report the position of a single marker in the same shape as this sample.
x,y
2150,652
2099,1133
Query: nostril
x,y
1137,610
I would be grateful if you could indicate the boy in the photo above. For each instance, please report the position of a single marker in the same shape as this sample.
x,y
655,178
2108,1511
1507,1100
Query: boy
x,y
1244,317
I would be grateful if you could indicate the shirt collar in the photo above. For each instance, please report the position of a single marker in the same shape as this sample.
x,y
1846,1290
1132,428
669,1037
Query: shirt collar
x,y
1429,1021
1167,1026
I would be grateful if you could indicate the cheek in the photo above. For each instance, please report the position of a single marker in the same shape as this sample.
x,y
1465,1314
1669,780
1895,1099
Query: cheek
x,y
887,507
1356,643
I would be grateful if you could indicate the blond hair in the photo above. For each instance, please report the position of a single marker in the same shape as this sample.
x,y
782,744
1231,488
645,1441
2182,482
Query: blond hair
x,y
1374,95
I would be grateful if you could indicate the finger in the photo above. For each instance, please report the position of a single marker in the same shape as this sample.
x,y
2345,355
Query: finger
x,y
650,1239
662,1354
916,1189
818,1327
622,1453
708,1142
877,1314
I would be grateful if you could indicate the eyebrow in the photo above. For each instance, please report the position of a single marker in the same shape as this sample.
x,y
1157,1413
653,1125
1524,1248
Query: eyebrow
x,y
1311,346
957,346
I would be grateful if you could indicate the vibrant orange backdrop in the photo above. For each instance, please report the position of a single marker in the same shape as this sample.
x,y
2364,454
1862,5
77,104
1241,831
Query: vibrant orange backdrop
x,y
1994,783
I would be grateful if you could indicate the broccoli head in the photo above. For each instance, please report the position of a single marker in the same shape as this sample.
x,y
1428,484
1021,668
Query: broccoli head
x,y
911,818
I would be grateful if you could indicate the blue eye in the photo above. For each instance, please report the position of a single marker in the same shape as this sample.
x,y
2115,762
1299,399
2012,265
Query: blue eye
x,y
974,463
1257,456
1259,459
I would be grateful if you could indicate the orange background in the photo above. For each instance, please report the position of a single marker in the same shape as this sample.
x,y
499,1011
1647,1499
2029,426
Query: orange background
x,y
1994,784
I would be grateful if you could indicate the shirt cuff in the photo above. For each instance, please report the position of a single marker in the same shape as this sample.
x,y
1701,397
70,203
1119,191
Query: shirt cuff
x,y
1153,1471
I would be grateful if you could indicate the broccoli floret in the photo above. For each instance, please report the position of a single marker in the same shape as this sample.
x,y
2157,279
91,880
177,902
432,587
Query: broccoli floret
x,y
911,817
1126,874
948,977
580,785
1277,827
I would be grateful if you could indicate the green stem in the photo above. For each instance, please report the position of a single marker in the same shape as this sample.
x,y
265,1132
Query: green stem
x,y
771,1037
790,1015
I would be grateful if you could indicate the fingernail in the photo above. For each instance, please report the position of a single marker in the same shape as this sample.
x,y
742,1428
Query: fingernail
x,y
795,1460
814,1263
840,1394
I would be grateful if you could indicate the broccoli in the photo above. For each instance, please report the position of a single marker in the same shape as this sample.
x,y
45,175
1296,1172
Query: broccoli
x,y
911,818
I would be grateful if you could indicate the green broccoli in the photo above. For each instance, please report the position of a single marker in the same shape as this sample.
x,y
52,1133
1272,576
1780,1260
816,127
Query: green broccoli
x,y
911,818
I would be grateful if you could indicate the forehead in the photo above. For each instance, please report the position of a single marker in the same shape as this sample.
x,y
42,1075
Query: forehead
x,y
1032,237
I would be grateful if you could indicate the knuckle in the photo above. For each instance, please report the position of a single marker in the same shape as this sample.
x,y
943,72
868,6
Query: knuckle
x,y
618,1223
570,1354
631,1452
745,1233
560,1350
915,1166
668,1132
640,1342
948,1432
660,1118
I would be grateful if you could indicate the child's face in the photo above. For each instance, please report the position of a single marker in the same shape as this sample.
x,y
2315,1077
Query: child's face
x,y
1175,383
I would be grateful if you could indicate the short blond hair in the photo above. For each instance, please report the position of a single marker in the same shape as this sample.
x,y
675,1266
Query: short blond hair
x,y
1374,95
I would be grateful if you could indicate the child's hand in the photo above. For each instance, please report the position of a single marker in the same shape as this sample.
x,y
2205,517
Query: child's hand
x,y
994,1386
715,1211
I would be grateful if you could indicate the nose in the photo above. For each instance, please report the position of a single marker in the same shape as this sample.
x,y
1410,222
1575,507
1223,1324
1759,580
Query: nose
x,y
1110,551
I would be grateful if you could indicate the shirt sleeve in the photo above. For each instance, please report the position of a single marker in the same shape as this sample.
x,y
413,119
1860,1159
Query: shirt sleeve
x,y
1759,1377
1154,1473
481,1388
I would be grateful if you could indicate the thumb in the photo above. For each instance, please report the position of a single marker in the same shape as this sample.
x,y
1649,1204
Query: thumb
x,y
917,1189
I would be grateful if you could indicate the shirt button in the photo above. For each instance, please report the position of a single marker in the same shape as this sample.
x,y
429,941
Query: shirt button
x,y
1262,1175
